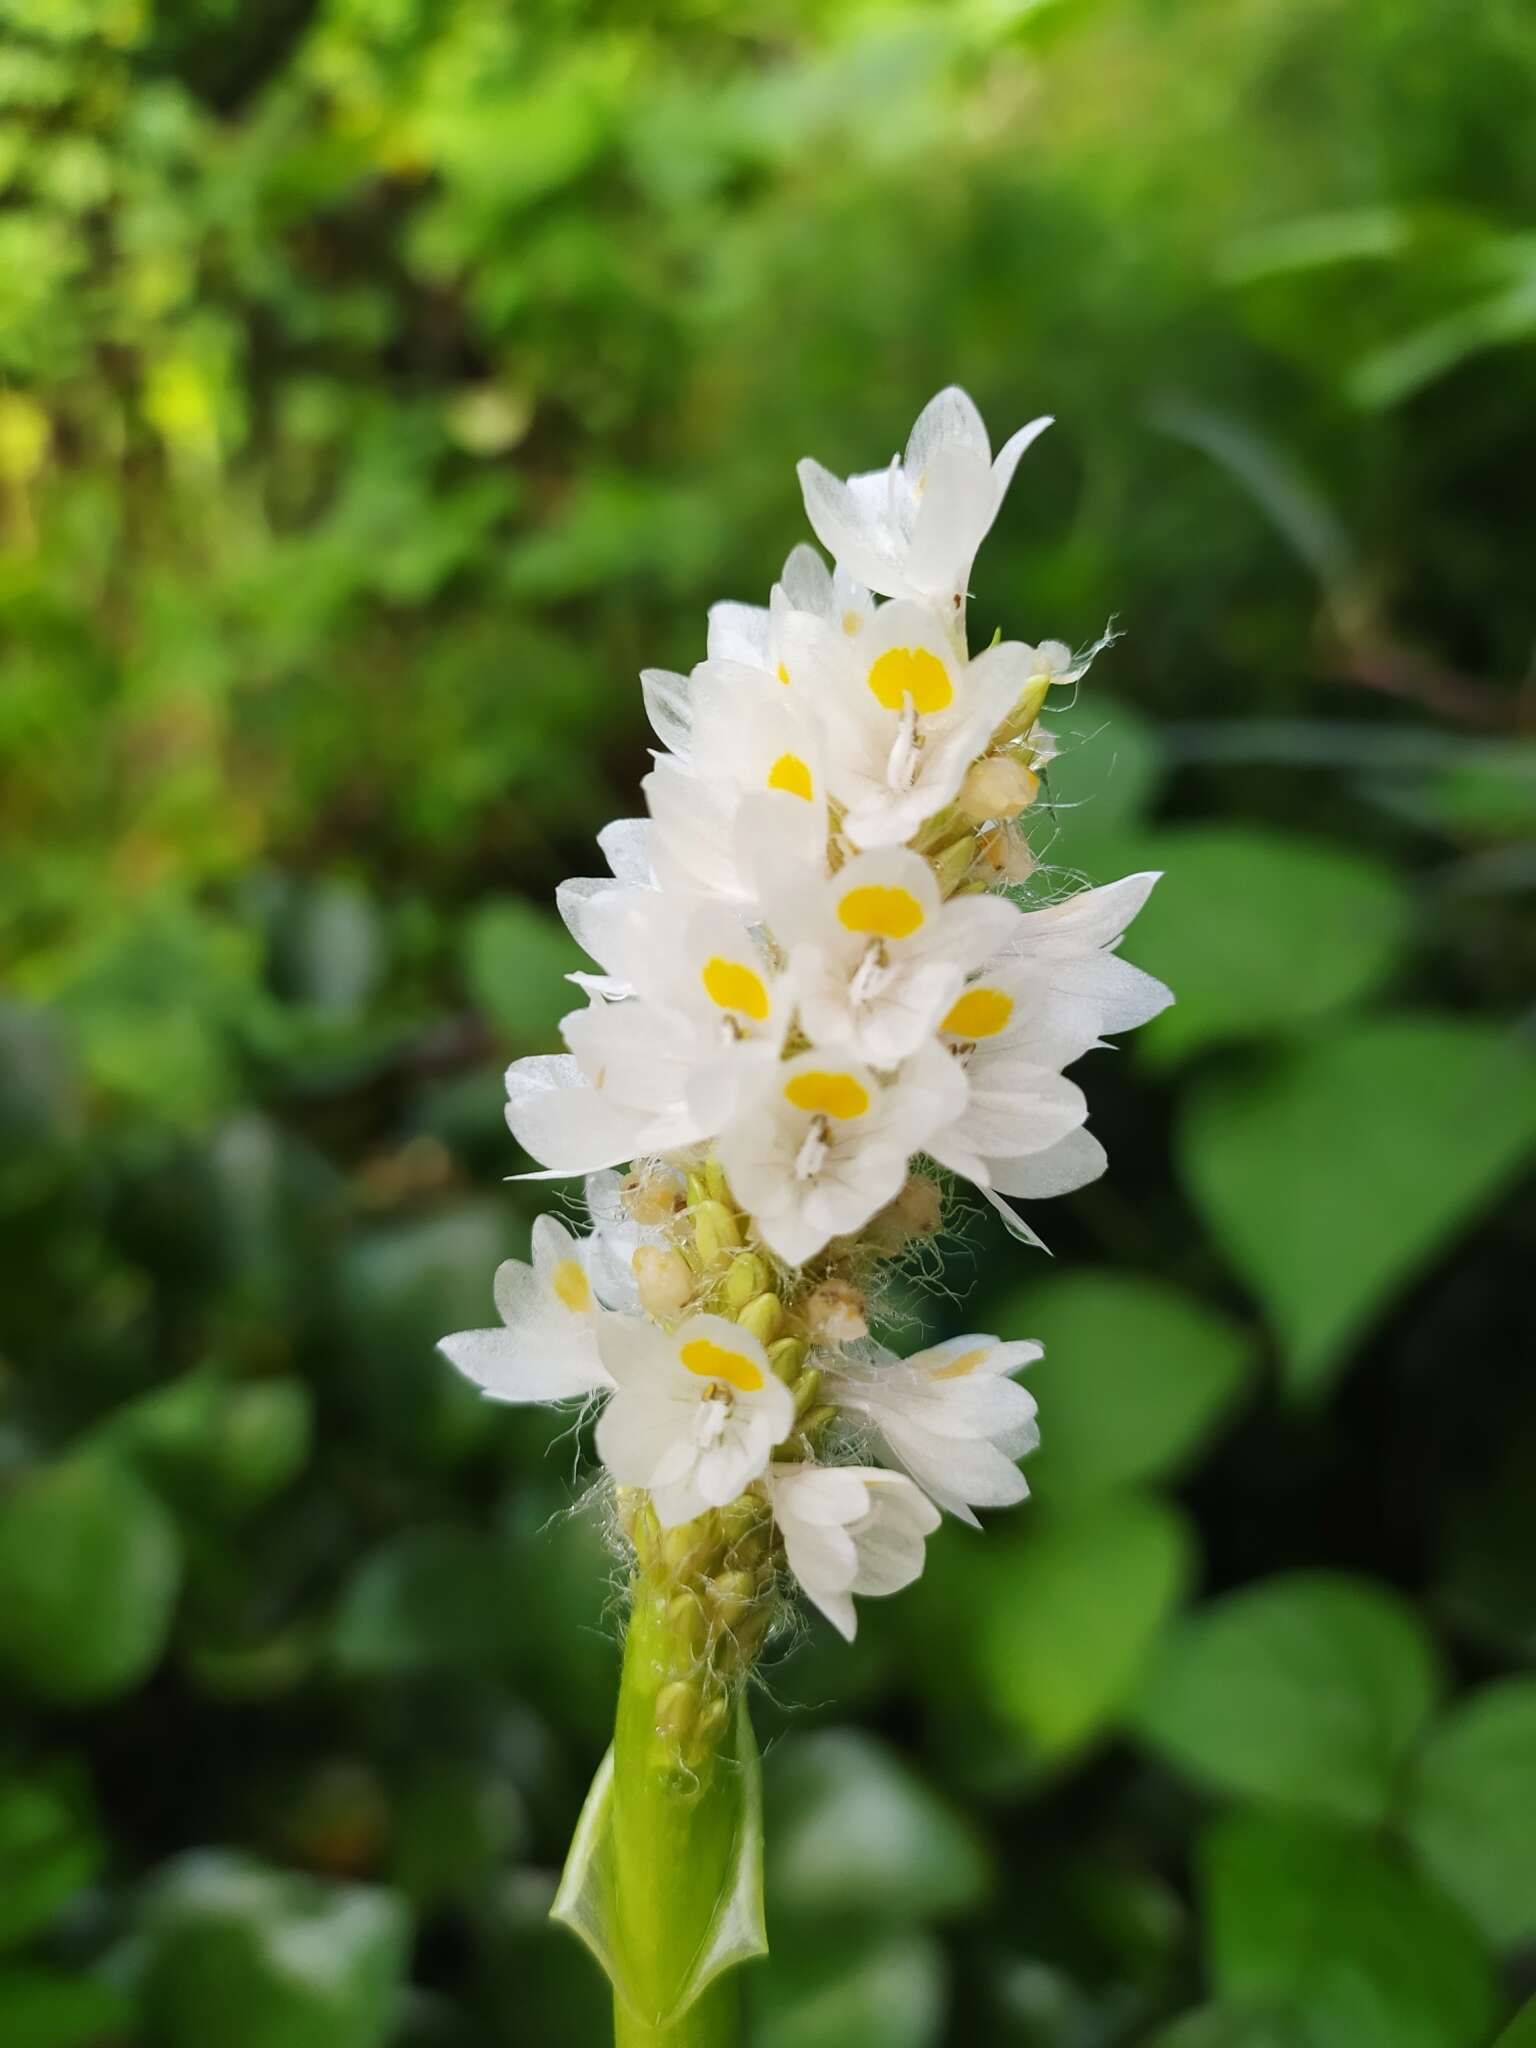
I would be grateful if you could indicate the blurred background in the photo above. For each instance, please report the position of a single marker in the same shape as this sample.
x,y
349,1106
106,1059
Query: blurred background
x,y
382,384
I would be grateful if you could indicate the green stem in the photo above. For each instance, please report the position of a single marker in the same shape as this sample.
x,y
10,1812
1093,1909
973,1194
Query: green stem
x,y
713,2021
675,1815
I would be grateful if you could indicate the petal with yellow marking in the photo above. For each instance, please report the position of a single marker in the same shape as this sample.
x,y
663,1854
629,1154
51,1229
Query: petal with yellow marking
x,y
573,1290
903,672
979,1013
711,1361
880,913
731,986
824,1092
957,1368
793,776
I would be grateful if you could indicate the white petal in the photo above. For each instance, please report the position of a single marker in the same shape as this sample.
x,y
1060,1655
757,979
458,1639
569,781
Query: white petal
x,y
565,1124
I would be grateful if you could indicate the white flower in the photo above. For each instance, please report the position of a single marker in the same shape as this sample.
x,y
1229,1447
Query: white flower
x,y
951,1416
742,747
912,529
821,1145
878,957
696,1415
754,635
547,1349
699,957
904,712
849,1529
1042,1002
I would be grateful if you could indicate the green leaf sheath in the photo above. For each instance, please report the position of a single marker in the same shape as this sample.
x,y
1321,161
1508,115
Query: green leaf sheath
x,y
664,1880
674,1843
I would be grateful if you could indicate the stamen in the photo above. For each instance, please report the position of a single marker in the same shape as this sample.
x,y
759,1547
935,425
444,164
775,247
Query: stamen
x,y
869,977
901,768
812,1155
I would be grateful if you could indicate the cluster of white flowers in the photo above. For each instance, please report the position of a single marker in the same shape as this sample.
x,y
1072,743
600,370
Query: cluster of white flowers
x,y
814,976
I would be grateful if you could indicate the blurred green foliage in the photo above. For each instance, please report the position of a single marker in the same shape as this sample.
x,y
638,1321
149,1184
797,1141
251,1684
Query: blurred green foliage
x,y
382,384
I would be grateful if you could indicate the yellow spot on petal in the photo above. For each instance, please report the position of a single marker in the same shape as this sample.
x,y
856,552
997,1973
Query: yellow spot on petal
x,y
903,672
851,623
730,986
979,1013
820,1093
792,775
783,674
714,1362
957,1368
572,1287
880,913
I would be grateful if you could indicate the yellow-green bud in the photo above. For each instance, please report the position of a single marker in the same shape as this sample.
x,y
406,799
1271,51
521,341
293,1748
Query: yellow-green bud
x,y
733,1593
677,1709
698,1189
715,1229
685,1618
710,1725
745,1277
714,1180
806,1390
786,1357
690,1542
954,863
817,1419
1027,710
763,1318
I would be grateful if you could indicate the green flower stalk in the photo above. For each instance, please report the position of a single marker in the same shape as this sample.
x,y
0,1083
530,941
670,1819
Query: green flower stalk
x,y
822,989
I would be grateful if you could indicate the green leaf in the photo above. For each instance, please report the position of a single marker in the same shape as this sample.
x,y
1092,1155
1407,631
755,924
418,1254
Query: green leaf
x,y
852,1830
735,1932
45,2009
1334,1174
90,1566
840,1993
1471,1808
1307,1690
1135,1379
457,1826
253,1958
49,1850
516,958
1220,2026
1260,935
214,1445
1362,1951
427,1599
1522,2032
1077,1607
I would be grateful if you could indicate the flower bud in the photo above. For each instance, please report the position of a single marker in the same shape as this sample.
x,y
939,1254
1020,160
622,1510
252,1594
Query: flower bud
x,y
786,1357
685,1618
732,1594
997,786
652,1194
665,1281
807,1388
1005,855
677,1708
715,1229
762,1318
834,1313
745,1278
954,863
